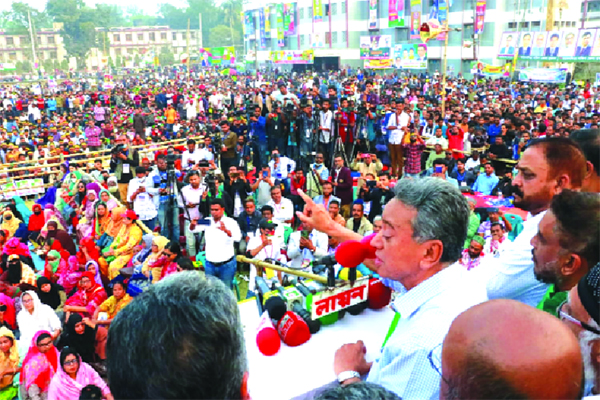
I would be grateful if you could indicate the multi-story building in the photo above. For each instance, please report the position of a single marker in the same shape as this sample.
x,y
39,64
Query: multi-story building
x,y
48,46
345,21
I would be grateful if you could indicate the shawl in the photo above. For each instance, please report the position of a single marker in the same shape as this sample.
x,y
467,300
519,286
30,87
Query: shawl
x,y
12,225
83,343
36,221
49,198
70,276
22,208
145,252
89,244
116,221
39,368
12,361
160,242
73,179
65,387
90,206
52,298
14,246
100,223
94,187
97,277
90,298
10,315
111,203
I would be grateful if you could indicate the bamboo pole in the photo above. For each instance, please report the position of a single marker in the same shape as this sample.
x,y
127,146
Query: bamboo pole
x,y
290,271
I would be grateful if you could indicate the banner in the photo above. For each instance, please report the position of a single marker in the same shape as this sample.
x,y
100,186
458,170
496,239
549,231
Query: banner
x,y
442,17
569,45
410,56
480,68
7,67
547,75
268,22
373,15
375,47
25,187
248,24
261,28
293,57
379,64
479,16
220,56
317,11
289,19
316,40
415,19
396,13
279,25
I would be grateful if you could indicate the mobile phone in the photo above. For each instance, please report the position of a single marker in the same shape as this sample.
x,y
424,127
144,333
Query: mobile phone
x,y
265,174
305,234
204,221
438,169
234,175
371,184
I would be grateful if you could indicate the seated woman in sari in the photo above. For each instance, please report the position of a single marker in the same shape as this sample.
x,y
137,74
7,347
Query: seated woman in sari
x,y
54,264
122,247
101,221
111,306
14,247
8,314
35,316
18,274
112,229
88,339
70,276
72,376
39,366
92,266
10,223
166,263
51,294
9,364
158,244
87,215
36,223
108,200
144,251
87,298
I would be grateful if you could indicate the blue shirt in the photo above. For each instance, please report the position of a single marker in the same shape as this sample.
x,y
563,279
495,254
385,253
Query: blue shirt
x,y
426,312
493,131
485,184
258,130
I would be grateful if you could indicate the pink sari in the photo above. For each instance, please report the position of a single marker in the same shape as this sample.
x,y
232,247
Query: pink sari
x,y
39,368
70,275
65,387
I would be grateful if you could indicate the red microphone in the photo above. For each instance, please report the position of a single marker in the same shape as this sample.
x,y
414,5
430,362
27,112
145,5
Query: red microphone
x,y
370,250
379,294
267,338
293,330
351,253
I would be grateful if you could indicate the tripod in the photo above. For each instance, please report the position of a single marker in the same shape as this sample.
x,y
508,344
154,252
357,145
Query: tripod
x,y
338,144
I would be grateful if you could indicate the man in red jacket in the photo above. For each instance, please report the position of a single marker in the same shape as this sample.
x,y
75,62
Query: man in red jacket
x,y
341,179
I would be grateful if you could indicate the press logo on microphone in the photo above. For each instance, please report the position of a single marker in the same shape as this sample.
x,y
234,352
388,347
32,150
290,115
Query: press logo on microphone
x,y
285,324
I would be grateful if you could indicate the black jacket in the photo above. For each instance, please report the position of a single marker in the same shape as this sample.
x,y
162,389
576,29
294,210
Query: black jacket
x,y
249,223
378,198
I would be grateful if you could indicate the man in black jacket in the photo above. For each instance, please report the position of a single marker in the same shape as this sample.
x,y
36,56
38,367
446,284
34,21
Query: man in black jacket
x,y
248,221
238,188
380,195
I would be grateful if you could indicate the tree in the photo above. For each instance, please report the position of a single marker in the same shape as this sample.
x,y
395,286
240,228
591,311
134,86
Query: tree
x,y
136,60
232,14
48,66
119,62
16,20
166,57
220,35
64,65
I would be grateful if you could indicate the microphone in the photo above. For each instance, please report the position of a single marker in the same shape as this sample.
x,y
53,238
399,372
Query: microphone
x,y
267,338
275,307
293,330
295,303
379,294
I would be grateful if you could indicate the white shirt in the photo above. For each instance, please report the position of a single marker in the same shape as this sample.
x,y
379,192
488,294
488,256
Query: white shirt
x,y
510,276
325,121
284,164
193,196
186,157
400,122
219,246
272,251
470,164
284,211
205,154
143,205
298,255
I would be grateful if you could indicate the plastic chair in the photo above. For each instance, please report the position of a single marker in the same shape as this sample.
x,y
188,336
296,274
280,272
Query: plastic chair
x,y
517,225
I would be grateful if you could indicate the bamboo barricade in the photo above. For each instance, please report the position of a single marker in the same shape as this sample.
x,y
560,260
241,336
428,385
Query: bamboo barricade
x,y
262,264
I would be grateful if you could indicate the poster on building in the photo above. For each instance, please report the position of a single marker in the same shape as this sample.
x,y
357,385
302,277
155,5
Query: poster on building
x,y
442,17
317,40
375,47
396,13
248,24
5,67
546,75
480,68
217,56
317,11
293,57
569,45
268,22
373,15
410,56
379,64
279,25
480,6
415,18
261,28
289,19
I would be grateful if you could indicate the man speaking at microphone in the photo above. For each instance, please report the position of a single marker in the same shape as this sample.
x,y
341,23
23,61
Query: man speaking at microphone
x,y
424,229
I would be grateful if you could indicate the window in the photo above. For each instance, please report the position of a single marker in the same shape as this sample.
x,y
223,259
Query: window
x,y
39,39
128,37
301,13
536,24
334,37
327,37
174,34
118,52
140,37
10,41
152,36
163,36
12,56
334,9
117,38
24,40
53,55
512,25
192,35
130,50
184,35
51,40
309,12
326,9
524,25
343,7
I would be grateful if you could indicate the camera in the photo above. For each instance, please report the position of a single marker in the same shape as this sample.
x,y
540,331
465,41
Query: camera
x,y
210,182
117,149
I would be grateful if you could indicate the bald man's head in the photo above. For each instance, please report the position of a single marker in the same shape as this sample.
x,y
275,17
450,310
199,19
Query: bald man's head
x,y
504,349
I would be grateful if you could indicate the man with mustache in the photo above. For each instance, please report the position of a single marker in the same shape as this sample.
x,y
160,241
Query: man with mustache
x,y
546,168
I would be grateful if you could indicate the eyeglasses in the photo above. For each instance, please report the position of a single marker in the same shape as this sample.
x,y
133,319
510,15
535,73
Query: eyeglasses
x,y
563,315
168,254
47,344
71,362
435,360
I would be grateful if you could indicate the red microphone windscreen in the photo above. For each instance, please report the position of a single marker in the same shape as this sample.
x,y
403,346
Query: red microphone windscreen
x,y
369,250
350,253
267,338
379,294
293,330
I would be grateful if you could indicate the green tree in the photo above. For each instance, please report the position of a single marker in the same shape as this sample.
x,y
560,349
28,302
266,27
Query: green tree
x,y
220,35
16,20
136,60
48,66
19,67
119,62
166,57
64,65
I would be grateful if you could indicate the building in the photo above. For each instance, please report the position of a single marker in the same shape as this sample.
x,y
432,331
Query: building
x,y
345,21
17,47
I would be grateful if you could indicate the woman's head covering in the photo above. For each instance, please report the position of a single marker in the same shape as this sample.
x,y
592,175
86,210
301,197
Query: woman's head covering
x,y
39,368
116,217
22,208
65,387
160,242
97,276
12,224
13,355
52,298
14,246
94,187
15,270
48,198
10,315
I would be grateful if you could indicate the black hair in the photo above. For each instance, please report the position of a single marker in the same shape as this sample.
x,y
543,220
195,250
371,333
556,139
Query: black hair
x,y
589,141
219,202
42,337
174,248
67,351
90,392
123,285
185,264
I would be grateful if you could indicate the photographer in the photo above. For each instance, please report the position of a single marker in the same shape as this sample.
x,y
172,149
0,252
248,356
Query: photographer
x,y
281,167
238,188
191,156
122,163
316,176
380,195
164,196
242,154
366,164
325,129
191,197
138,193
258,134
305,127
276,130
346,120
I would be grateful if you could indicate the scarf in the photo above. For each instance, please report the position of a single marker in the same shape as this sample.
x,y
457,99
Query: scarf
x,y
116,221
12,360
51,298
101,223
10,225
15,270
97,277
82,343
36,221
65,387
22,208
39,368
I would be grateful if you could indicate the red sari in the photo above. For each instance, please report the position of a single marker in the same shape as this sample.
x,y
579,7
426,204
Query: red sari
x,y
90,299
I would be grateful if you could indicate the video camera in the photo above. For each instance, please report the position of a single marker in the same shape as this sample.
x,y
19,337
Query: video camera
x,y
117,149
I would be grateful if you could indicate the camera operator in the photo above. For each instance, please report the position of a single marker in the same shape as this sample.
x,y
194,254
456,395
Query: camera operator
x,y
305,126
276,129
139,195
243,154
215,192
191,156
284,97
238,188
281,167
258,134
263,185
192,195
346,119
122,163
366,163
163,196
380,195
325,129
229,139
316,176
206,151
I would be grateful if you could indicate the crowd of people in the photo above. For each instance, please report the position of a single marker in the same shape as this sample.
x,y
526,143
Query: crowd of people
x,y
162,175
